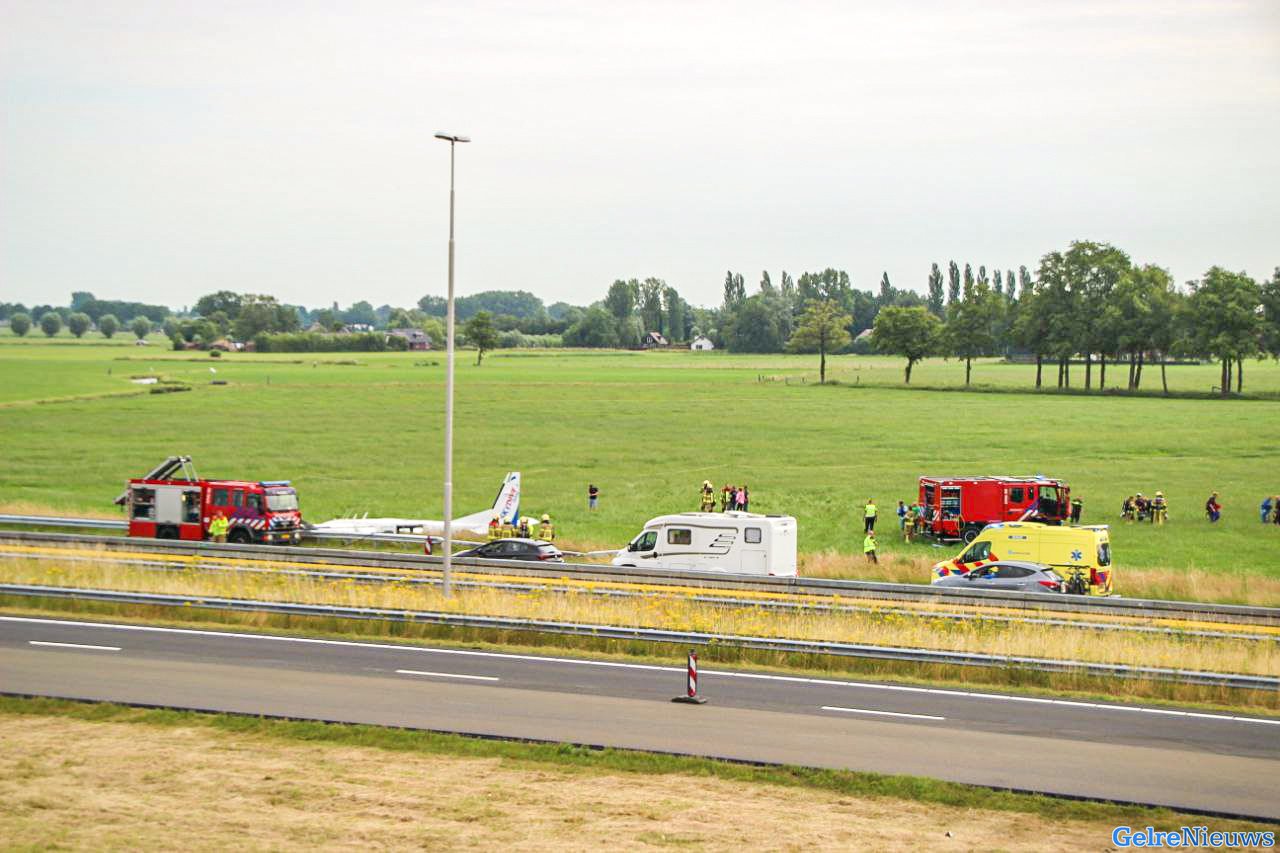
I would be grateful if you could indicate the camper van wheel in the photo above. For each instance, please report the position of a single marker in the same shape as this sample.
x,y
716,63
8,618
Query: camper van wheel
x,y
166,531
969,534
239,535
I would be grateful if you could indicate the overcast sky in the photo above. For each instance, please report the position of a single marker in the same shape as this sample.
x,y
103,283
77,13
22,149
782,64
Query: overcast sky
x,y
158,151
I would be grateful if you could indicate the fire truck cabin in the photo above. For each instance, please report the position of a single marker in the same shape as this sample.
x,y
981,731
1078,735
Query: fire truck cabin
x,y
959,507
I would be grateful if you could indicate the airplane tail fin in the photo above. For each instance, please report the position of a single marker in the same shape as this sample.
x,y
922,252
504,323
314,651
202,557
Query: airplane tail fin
x,y
506,506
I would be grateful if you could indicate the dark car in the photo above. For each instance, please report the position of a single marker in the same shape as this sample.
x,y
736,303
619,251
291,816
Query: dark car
x,y
1007,575
515,549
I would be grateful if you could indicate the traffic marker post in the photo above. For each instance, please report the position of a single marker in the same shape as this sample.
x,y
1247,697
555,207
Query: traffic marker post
x,y
691,696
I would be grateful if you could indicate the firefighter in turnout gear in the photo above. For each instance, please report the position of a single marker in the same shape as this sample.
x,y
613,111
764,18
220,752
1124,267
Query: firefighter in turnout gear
x,y
218,529
708,496
494,528
1159,509
546,531
508,530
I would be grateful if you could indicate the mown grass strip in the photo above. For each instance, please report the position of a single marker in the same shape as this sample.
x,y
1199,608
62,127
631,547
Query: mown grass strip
x,y
590,759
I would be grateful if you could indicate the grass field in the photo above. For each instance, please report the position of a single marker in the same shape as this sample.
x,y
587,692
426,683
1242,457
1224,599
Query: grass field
x,y
362,432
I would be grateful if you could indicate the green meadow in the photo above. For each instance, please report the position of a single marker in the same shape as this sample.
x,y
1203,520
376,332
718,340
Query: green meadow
x,y
360,433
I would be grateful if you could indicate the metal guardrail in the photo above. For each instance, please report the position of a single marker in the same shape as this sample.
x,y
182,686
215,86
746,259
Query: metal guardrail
x,y
1115,605
615,632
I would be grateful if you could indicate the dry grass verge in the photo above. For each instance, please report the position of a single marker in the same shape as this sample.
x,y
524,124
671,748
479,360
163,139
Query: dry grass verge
x,y
679,612
104,777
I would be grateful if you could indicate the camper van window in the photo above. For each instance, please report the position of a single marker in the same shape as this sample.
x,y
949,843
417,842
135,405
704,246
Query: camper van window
x,y
752,535
1104,554
679,536
979,551
645,541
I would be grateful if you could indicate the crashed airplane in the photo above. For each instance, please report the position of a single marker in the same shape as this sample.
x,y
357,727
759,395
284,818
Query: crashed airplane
x,y
506,507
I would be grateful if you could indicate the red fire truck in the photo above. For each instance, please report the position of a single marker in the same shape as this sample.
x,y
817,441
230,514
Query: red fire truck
x,y
171,502
959,507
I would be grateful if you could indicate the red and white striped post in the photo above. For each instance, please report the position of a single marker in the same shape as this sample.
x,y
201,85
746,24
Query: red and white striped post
x,y
691,696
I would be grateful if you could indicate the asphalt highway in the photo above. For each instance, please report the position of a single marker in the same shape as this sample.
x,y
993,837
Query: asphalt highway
x,y
1216,762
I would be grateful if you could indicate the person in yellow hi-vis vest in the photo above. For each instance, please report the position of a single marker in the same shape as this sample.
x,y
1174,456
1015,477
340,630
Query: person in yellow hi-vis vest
x,y
218,529
869,516
508,530
1159,509
546,531
708,503
869,547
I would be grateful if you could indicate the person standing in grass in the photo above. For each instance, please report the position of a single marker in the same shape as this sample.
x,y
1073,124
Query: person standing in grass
x,y
909,523
869,547
218,529
1266,509
902,516
1212,508
869,516
593,496
746,498
740,498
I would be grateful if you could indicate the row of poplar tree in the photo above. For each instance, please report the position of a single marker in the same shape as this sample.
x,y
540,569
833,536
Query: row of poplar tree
x,y
1084,309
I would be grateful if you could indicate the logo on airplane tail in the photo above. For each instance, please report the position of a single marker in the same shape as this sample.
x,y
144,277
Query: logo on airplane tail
x,y
507,505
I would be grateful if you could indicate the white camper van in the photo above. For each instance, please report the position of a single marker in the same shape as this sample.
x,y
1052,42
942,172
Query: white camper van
x,y
740,542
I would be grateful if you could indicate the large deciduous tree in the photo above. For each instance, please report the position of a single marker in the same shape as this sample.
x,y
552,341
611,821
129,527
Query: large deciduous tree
x,y
108,325
971,325
912,333
51,323
1225,318
481,334
823,328
20,324
140,326
79,323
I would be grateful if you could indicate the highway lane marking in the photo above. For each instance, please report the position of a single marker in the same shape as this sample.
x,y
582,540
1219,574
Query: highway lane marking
x,y
75,646
792,679
447,675
881,713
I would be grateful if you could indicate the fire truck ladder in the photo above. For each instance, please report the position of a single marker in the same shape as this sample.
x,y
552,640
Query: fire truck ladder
x,y
165,471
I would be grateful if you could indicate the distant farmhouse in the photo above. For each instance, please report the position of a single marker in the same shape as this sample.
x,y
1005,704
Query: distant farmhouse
x,y
702,343
654,340
418,339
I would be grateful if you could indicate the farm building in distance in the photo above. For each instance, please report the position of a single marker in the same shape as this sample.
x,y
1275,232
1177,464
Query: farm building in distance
x,y
418,339
701,343
654,340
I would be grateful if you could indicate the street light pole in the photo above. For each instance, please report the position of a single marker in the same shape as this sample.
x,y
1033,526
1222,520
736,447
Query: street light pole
x,y
446,584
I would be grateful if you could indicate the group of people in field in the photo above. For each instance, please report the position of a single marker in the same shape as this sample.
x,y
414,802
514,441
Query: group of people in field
x,y
1151,510
731,498
1270,509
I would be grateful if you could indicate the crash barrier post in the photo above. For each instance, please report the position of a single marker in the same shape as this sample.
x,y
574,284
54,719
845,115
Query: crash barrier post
x,y
691,696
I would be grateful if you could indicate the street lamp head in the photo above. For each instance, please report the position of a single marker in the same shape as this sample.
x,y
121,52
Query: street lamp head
x,y
453,137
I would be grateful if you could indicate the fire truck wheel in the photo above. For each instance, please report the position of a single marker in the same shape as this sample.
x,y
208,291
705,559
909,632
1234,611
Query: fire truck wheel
x,y
166,531
239,535
969,534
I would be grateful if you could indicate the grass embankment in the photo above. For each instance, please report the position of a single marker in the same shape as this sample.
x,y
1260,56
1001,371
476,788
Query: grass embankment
x,y
648,428
677,612
139,778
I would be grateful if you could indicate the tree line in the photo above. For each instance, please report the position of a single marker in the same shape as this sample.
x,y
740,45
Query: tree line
x,y
1089,307
1085,309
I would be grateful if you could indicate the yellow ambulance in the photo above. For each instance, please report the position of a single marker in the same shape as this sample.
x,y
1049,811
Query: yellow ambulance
x,y
1081,551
